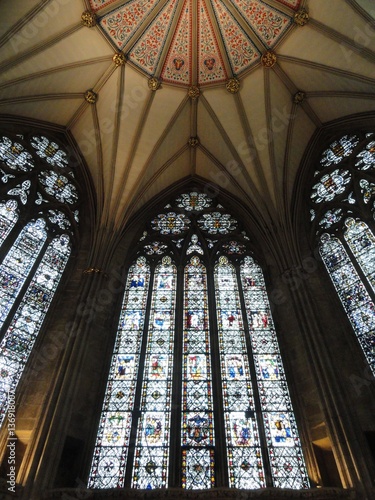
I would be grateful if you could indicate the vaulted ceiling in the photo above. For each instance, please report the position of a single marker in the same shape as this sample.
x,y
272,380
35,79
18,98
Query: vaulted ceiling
x,y
156,91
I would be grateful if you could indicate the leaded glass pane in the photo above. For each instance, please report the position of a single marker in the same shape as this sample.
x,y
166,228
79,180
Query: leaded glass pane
x,y
197,404
17,264
353,295
189,422
194,201
198,467
330,186
58,186
15,156
362,243
287,466
19,339
50,151
150,469
339,150
112,444
366,158
242,436
170,223
217,223
8,217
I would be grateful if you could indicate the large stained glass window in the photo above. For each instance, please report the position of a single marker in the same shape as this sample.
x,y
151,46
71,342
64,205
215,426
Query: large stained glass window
x,y
342,212
38,226
197,396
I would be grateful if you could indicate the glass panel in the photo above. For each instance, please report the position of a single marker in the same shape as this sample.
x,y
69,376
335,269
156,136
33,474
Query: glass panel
x,y
152,442
170,223
339,150
353,295
361,242
330,186
8,218
245,463
217,223
194,201
197,406
50,151
17,264
15,156
18,342
112,443
284,448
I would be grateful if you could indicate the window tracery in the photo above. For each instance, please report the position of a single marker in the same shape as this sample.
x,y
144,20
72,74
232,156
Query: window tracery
x,y
203,388
38,226
342,213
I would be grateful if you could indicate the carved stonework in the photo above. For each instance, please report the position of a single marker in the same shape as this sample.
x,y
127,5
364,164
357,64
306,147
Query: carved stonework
x,y
119,59
193,92
269,59
154,83
90,96
88,19
193,142
301,17
233,85
299,97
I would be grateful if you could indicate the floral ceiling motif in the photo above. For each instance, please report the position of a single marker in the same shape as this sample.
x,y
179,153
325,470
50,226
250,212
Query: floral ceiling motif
x,y
194,43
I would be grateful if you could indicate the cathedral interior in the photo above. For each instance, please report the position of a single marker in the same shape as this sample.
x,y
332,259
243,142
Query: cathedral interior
x,y
187,265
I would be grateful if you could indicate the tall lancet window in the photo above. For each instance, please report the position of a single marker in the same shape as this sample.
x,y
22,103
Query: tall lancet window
x,y
38,226
196,396
342,212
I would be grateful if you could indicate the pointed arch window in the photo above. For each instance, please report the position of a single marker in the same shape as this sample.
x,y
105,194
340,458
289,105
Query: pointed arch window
x,y
342,205
196,395
38,227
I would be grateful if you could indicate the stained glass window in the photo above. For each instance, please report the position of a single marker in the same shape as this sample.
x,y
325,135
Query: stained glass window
x,y
196,384
34,254
343,199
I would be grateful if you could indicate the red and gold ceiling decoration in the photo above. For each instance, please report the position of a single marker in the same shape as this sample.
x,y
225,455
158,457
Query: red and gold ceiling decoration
x,y
194,42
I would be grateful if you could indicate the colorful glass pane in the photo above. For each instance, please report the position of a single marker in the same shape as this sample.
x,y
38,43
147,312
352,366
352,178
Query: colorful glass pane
x,y
245,464
234,248
367,189
361,242
8,217
155,248
194,245
50,151
17,264
217,223
22,190
19,339
194,201
353,295
15,156
197,404
366,158
170,223
284,448
112,443
150,469
339,150
330,186
331,217
58,186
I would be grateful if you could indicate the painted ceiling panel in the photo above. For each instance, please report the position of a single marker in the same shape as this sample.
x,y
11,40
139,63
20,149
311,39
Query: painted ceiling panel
x,y
135,140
